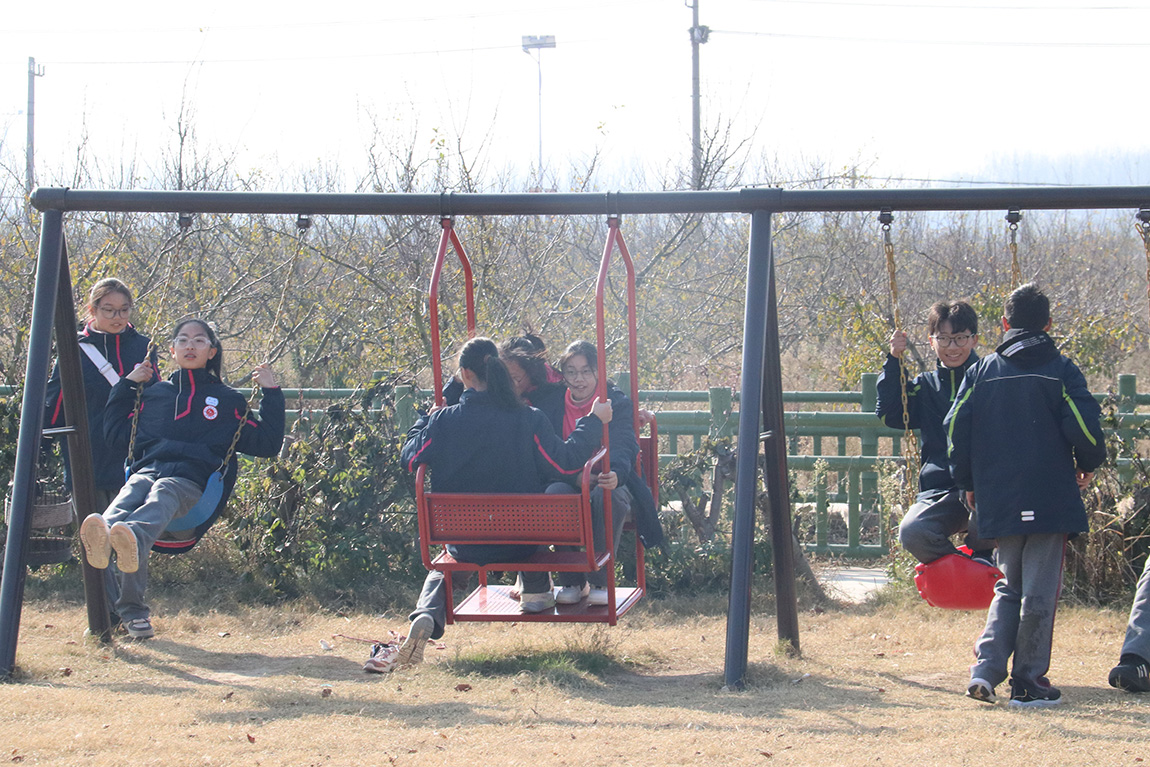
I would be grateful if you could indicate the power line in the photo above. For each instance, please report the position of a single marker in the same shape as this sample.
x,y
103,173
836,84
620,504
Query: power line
x,y
914,6
895,41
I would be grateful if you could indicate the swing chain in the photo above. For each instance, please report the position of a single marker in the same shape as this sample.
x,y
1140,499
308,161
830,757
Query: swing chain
x,y
910,451
1012,219
1143,227
184,222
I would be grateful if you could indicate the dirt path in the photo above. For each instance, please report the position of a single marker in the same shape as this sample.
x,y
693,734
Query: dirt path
x,y
879,685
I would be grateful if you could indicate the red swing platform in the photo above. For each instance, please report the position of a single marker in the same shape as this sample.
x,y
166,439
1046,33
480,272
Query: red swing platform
x,y
540,519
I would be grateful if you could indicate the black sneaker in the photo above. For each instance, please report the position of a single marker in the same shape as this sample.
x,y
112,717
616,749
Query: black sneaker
x,y
1131,676
1033,696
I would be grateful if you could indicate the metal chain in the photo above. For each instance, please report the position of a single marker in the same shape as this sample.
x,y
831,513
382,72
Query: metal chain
x,y
185,223
910,443
1143,227
1012,218
303,224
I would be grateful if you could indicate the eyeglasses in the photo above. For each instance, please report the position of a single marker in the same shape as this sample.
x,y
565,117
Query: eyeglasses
x,y
199,342
581,373
111,314
960,340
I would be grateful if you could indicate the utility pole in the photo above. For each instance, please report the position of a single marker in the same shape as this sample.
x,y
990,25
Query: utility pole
x,y
537,43
30,168
699,35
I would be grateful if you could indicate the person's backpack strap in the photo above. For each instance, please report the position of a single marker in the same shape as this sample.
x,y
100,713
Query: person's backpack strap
x,y
101,363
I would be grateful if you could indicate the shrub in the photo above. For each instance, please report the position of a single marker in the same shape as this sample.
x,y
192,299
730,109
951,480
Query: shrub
x,y
335,510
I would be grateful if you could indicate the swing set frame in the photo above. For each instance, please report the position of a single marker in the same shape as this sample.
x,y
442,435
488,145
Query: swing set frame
x,y
761,373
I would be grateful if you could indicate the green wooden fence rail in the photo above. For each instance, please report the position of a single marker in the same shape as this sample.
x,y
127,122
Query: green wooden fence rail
x,y
836,456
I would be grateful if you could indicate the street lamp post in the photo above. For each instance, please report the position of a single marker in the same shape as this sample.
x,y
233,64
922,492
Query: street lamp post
x,y
538,43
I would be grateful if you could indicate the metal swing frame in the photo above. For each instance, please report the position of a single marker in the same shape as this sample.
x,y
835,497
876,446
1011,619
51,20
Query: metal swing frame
x,y
760,418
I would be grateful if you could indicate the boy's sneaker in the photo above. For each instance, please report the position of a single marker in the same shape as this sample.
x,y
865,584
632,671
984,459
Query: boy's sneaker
x,y
597,597
1033,696
382,659
572,595
411,652
94,537
1131,675
980,689
123,542
139,628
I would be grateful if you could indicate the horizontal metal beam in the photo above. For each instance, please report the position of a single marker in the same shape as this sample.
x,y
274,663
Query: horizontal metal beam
x,y
584,203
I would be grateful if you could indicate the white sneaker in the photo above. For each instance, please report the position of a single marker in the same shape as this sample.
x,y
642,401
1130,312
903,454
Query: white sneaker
x,y
123,542
412,650
536,603
572,595
94,537
597,597
980,689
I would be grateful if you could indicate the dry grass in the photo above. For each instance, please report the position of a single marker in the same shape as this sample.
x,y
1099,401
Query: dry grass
x,y
875,685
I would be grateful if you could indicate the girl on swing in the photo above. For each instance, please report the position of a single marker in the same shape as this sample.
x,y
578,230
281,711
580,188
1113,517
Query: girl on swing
x,y
184,432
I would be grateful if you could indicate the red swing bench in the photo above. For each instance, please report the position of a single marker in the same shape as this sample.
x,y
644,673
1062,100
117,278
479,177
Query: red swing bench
x,y
534,519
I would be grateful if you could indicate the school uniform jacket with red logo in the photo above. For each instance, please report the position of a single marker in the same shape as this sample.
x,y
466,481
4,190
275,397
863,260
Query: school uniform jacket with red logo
x,y
187,424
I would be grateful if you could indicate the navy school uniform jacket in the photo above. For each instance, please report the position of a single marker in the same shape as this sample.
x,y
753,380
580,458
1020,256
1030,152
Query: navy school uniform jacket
x,y
551,399
187,424
477,446
929,397
123,350
1023,421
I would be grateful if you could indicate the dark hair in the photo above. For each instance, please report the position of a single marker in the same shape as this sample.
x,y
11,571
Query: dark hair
x,y
1027,308
581,348
216,363
481,357
528,342
958,313
532,362
101,290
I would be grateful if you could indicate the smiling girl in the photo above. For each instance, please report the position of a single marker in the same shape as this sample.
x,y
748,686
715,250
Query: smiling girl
x,y
186,426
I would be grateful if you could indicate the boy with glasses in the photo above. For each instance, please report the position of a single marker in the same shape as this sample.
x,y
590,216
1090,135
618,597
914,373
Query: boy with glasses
x,y
938,511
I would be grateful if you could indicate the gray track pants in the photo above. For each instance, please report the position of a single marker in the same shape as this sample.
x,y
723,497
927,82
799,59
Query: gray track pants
x,y
620,508
1021,617
935,516
1138,630
146,505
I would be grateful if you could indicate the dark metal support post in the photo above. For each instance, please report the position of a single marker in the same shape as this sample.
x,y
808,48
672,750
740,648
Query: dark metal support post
x,y
775,474
79,442
31,426
746,479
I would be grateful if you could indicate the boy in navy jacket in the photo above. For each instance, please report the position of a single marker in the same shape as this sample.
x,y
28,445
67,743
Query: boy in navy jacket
x,y
938,511
1024,439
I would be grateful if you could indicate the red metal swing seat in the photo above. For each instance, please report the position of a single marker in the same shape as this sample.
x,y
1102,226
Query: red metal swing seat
x,y
545,520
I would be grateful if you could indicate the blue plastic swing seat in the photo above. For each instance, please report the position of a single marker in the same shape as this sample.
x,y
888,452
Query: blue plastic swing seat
x,y
204,507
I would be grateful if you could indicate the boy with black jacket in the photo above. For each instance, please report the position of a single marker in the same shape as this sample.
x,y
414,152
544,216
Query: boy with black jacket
x,y
938,511
1024,439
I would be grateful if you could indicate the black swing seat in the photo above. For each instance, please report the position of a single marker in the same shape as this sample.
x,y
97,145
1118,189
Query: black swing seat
x,y
515,518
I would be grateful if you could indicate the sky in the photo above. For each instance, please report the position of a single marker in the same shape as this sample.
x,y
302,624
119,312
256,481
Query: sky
x,y
1018,91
